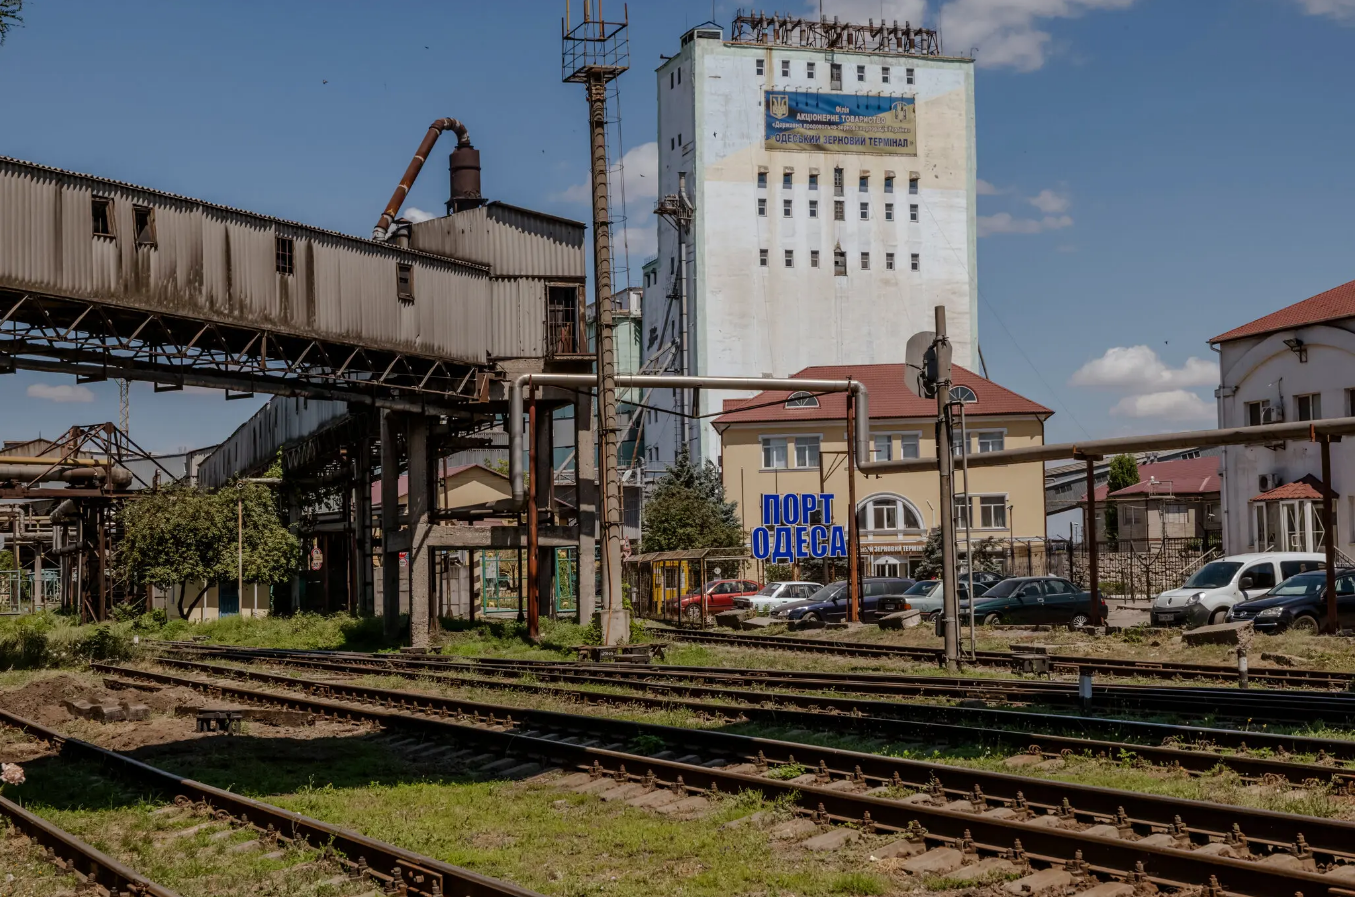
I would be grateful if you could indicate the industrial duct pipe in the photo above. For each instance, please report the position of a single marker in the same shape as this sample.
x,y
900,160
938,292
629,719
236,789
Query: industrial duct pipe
x,y
63,513
26,470
465,175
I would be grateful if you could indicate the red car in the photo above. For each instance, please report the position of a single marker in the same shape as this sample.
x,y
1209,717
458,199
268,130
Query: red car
x,y
717,595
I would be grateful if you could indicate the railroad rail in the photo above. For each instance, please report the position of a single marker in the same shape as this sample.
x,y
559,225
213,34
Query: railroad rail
x,y
1288,676
847,785
385,864
872,718
1185,701
69,854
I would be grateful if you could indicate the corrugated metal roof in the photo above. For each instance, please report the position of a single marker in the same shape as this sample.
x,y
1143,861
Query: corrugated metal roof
x,y
1336,303
889,397
255,443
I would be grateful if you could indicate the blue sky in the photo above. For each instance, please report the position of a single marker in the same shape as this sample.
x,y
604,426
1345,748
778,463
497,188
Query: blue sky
x,y
1153,172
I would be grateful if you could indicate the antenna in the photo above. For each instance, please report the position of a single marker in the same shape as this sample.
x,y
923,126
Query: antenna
x,y
920,364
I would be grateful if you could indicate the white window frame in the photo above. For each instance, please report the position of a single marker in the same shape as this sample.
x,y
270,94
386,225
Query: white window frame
x,y
889,211
962,507
888,440
1001,433
915,262
1260,405
902,508
865,211
865,261
860,73
787,208
817,442
762,261
889,261
1314,403
792,443
909,75
770,442
1003,500
789,257
813,258
758,67
785,68
884,74
813,208
913,212
762,207
913,437
809,70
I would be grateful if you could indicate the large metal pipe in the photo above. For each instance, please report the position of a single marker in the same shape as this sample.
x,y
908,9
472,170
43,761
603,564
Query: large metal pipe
x,y
58,472
415,165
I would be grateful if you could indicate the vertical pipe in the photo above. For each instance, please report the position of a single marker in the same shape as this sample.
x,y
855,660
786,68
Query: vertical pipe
x,y
585,470
615,625
390,525
533,611
1329,535
684,352
853,530
419,567
1093,575
968,525
946,469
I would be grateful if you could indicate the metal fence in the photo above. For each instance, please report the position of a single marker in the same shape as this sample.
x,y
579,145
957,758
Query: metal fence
x,y
1132,569
21,592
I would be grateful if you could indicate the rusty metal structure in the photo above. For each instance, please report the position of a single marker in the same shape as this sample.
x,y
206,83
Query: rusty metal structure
x,y
465,168
820,34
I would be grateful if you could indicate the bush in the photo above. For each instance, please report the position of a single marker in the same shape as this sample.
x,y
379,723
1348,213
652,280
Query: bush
x,y
49,640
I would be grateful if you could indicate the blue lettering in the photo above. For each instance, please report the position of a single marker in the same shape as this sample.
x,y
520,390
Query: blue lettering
x,y
801,542
790,509
761,543
826,504
838,543
771,510
818,541
809,503
782,550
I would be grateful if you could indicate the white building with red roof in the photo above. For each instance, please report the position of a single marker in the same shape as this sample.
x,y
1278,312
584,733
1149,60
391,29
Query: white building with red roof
x,y
779,442
1295,364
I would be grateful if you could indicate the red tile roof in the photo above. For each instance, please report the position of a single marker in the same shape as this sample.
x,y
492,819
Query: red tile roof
x,y
1306,487
1338,302
889,398
1192,476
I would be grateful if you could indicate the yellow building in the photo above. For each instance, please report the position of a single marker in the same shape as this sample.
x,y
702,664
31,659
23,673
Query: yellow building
x,y
780,442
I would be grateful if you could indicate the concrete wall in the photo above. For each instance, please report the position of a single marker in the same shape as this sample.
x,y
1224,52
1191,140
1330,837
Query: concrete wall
x,y
1263,367
1021,485
749,320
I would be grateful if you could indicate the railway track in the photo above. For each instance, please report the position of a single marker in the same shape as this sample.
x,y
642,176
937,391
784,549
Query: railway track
x,y
367,860
68,853
1293,677
871,719
1135,837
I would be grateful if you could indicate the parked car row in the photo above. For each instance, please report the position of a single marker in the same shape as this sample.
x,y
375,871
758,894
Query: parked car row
x,y
1214,588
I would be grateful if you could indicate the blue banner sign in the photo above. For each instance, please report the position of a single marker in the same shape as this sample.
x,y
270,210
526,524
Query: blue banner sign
x,y
840,123
798,526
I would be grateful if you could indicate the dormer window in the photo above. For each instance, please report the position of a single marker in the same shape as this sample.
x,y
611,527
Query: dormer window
x,y
963,394
802,400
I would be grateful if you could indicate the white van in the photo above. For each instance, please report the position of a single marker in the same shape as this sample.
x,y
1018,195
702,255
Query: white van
x,y
1218,585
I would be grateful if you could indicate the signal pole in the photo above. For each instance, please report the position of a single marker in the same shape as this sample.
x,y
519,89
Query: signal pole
x,y
950,606
595,53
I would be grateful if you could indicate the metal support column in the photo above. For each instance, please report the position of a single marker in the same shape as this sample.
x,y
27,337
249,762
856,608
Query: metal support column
x,y
853,531
585,478
543,487
1089,533
362,506
390,525
950,601
533,521
1328,534
419,559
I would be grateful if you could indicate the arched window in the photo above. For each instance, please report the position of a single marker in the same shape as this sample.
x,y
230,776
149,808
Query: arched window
x,y
802,400
888,514
963,394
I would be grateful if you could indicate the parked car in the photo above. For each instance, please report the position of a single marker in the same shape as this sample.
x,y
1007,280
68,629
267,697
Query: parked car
x,y
1033,600
1299,603
1218,585
982,576
717,595
829,603
775,594
927,596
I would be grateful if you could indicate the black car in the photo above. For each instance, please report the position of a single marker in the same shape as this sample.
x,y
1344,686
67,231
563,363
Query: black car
x,y
1299,603
829,603
1033,600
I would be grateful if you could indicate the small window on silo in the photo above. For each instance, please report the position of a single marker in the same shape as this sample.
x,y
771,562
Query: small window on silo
x,y
143,223
286,255
102,211
404,282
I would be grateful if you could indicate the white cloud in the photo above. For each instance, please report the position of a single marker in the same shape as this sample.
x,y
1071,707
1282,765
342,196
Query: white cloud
x,y
416,215
1139,369
1051,203
1006,223
639,180
63,393
1172,404
1340,10
1006,32
641,242
983,188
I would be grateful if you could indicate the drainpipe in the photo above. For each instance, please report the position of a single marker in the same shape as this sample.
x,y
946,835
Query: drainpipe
x,y
402,189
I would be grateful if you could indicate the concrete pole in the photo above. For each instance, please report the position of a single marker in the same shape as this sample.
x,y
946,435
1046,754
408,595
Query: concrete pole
x,y
533,520
950,601
420,520
586,472
390,525
1093,573
615,621
362,512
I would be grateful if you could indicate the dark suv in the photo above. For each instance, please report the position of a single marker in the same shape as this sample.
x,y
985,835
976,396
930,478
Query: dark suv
x,y
830,602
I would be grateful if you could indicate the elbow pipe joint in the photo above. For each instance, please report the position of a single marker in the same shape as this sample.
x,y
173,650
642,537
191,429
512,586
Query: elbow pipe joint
x,y
415,166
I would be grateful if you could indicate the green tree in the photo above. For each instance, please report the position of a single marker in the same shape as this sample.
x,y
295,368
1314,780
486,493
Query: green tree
x,y
1124,472
9,17
688,510
7,561
930,564
179,535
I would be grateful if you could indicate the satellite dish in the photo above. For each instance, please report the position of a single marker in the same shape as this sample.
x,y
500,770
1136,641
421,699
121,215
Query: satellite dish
x,y
920,364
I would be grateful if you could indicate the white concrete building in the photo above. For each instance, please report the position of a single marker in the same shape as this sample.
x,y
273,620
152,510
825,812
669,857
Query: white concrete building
x,y
1296,364
833,197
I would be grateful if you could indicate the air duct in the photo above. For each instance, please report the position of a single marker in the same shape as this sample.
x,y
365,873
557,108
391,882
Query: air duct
x,y
468,173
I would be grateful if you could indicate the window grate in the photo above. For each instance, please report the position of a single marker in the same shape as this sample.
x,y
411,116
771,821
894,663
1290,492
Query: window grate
x,y
286,255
